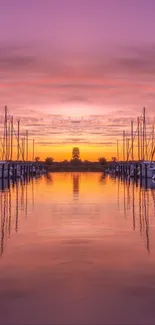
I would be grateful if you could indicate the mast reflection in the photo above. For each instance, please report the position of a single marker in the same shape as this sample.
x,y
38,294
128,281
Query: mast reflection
x,y
13,198
140,202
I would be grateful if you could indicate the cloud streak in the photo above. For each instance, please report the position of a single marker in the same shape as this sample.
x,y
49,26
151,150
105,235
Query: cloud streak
x,y
64,100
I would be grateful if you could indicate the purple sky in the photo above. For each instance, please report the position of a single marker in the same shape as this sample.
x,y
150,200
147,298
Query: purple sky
x,y
72,57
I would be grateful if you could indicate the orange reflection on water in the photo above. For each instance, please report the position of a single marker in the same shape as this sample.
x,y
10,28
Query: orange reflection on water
x,y
73,247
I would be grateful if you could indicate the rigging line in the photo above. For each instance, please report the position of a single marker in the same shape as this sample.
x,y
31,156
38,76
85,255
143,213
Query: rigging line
x,y
17,139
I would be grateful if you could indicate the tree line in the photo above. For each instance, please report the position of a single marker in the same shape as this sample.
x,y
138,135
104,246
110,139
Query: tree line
x,y
75,160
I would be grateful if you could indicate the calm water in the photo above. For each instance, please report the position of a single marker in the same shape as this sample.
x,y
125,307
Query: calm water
x,y
77,249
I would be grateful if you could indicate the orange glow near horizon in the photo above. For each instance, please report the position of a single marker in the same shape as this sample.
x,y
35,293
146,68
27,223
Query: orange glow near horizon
x,y
61,153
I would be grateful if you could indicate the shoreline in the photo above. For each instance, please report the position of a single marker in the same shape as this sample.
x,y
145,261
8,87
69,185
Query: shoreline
x,y
74,169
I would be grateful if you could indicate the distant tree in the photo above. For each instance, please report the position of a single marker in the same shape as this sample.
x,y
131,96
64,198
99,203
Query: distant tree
x,y
76,153
37,159
65,162
49,160
75,162
86,162
114,159
102,160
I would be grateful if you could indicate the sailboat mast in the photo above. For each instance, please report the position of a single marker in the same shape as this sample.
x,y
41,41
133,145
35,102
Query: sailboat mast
x,y
144,132
33,151
9,137
11,144
138,127
23,148
18,139
123,145
27,148
152,144
132,153
127,149
6,133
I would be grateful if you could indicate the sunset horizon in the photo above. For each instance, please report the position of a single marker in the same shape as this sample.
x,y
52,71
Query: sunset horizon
x,y
77,162
76,72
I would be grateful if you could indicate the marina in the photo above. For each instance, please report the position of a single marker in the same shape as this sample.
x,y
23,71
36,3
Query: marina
x,y
77,162
15,161
136,151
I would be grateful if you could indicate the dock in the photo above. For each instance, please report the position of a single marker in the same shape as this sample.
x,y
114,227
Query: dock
x,y
17,150
135,150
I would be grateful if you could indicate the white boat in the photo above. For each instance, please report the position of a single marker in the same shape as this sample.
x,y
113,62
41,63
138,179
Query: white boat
x,y
43,171
149,167
153,177
38,171
149,183
138,171
33,169
17,171
132,170
4,173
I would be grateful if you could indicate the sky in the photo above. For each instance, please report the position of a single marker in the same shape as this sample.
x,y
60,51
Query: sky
x,y
75,72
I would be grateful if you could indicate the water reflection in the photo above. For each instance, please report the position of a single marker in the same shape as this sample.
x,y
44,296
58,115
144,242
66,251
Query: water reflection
x,y
76,180
49,178
136,202
73,257
13,198
4,184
